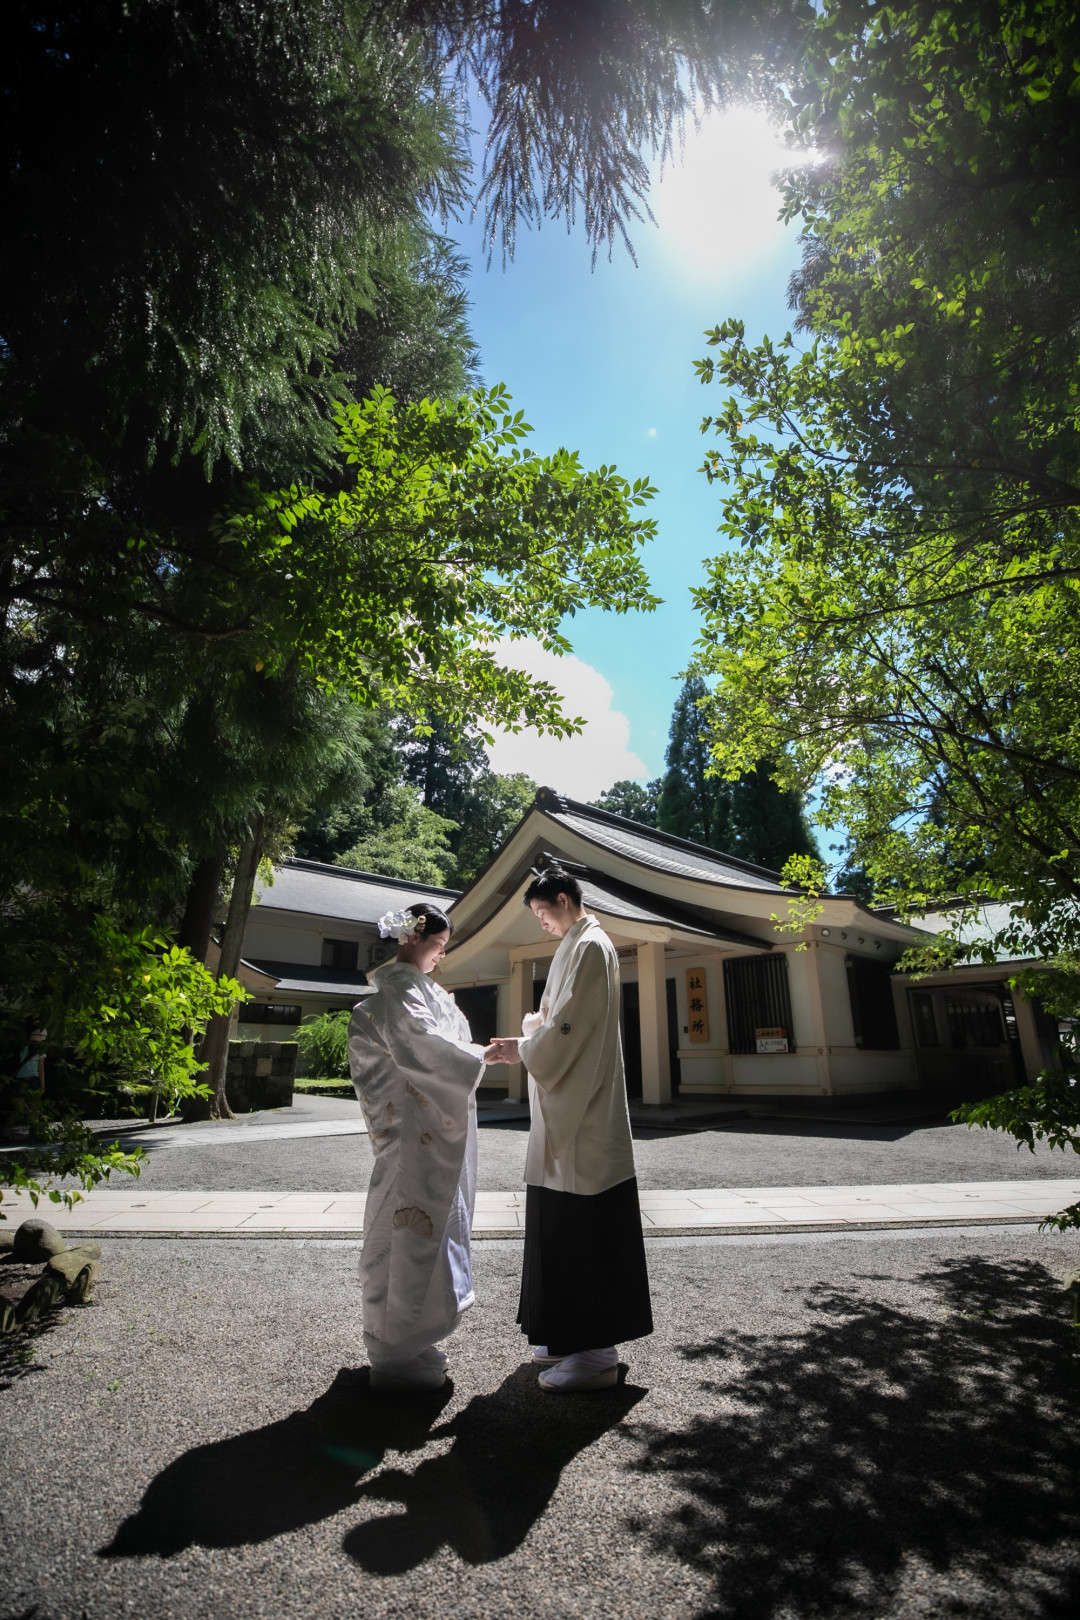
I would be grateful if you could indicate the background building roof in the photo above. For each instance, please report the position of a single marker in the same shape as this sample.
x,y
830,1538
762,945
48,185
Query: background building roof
x,y
322,890
305,979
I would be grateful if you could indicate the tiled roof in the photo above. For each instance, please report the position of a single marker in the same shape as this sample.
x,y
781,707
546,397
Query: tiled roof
x,y
303,978
322,890
661,851
619,900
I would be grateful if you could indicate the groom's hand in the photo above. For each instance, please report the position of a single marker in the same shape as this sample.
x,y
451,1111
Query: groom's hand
x,y
502,1050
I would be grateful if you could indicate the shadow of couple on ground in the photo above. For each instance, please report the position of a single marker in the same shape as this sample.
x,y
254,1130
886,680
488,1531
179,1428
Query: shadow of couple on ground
x,y
481,1497
885,1456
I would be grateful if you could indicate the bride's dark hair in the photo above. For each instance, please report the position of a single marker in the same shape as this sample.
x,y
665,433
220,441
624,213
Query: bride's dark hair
x,y
432,921
551,882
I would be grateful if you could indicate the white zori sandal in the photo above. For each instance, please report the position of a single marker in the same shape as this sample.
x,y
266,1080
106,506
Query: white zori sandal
x,y
540,1357
585,1370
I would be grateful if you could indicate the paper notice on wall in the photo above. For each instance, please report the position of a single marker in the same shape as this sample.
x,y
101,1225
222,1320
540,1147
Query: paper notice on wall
x,y
771,1040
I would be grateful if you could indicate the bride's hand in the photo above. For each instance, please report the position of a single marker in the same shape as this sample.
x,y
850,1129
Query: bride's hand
x,y
502,1050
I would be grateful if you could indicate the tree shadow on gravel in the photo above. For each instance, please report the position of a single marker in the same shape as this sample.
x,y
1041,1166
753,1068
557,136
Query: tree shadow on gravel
x,y
888,1461
481,1498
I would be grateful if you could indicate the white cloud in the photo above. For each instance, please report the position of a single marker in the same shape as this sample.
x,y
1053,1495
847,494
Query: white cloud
x,y
581,766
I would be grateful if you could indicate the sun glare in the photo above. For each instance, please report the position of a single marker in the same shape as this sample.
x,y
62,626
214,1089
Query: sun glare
x,y
716,203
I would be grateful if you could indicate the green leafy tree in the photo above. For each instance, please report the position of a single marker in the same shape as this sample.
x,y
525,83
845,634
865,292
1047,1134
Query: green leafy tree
x,y
580,95
749,816
441,761
400,837
694,800
327,832
899,618
121,1016
632,800
492,808
768,822
901,614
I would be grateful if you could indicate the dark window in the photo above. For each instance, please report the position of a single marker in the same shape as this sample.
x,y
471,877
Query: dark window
x,y
539,986
756,991
873,1011
480,1004
264,1012
975,1018
922,1016
340,953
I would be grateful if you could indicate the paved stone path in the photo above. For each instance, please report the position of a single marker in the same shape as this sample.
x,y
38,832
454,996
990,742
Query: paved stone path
x,y
131,1212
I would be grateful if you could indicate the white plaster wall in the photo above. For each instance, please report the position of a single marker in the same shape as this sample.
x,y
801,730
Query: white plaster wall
x,y
799,990
282,943
777,1071
702,1069
835,996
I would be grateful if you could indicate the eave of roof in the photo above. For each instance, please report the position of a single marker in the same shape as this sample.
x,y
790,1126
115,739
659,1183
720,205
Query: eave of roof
x,y
616,899
304,978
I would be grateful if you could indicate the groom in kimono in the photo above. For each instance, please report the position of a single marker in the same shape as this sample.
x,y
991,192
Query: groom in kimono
x,y
584,1284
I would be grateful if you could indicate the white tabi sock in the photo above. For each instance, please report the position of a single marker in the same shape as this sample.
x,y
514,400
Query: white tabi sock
x,y
585,1369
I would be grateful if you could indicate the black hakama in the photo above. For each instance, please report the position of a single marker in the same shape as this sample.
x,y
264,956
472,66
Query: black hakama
x,y
584,1284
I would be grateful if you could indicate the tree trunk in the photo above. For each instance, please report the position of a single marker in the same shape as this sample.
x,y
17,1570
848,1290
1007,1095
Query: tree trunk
x,y
215,1045
199,910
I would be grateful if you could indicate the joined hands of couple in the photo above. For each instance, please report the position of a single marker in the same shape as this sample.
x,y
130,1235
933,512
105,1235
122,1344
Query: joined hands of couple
x,y
504,1049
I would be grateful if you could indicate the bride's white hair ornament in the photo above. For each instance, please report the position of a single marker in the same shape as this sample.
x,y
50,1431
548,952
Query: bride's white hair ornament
x,y
400,925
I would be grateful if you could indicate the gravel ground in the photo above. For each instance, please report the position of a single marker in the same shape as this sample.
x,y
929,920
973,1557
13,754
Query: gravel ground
x,y
747,1153
870,1427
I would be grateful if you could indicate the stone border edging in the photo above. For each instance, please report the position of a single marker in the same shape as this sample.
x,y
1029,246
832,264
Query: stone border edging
x,y
501,1234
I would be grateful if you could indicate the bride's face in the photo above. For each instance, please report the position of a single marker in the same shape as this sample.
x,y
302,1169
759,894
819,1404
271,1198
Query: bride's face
x,y
425,954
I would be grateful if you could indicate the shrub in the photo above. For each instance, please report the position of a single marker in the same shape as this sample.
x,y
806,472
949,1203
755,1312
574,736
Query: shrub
x,y
324,1044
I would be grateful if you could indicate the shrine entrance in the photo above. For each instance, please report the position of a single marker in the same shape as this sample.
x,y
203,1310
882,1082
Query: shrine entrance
x,y
631,1033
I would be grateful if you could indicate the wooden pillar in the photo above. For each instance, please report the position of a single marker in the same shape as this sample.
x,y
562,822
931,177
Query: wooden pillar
x,y
521,983
1027,1030
652,1011
720,1035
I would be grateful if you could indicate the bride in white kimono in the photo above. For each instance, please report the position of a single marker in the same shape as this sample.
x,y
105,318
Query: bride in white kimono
x,y
415,1068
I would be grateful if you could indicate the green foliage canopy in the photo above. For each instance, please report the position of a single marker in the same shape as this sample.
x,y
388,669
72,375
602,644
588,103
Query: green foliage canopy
x,y
448,536
900,614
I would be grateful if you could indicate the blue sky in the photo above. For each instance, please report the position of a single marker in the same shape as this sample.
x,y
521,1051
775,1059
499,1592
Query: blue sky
x,y
601,360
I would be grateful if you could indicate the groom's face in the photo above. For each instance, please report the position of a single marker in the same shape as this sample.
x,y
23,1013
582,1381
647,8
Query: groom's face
x,y
553,915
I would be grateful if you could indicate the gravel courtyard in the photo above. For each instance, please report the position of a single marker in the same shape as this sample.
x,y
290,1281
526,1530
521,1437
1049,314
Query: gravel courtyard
x,y
744,1153
873,1427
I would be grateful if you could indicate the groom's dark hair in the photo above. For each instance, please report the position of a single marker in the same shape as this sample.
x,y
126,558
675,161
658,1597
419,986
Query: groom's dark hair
x,y
550,883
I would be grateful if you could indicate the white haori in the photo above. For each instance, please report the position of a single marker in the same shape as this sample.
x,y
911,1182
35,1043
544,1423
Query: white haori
x,y
579,1140
415,1068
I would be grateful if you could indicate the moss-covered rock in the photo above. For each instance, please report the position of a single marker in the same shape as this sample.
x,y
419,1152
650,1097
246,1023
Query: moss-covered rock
x,y
37,1240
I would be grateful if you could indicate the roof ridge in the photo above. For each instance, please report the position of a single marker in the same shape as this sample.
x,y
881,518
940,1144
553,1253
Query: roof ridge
x,y
593,812
353,873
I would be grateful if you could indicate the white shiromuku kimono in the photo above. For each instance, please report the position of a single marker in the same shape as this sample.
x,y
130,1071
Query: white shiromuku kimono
x,y
415,1068
580,1137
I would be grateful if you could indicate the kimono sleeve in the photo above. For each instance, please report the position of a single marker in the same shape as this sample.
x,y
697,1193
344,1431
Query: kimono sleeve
x,y
424,1051
574,1026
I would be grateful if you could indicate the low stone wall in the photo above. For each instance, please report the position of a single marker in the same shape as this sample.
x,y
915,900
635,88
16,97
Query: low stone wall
x,y
259,1074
